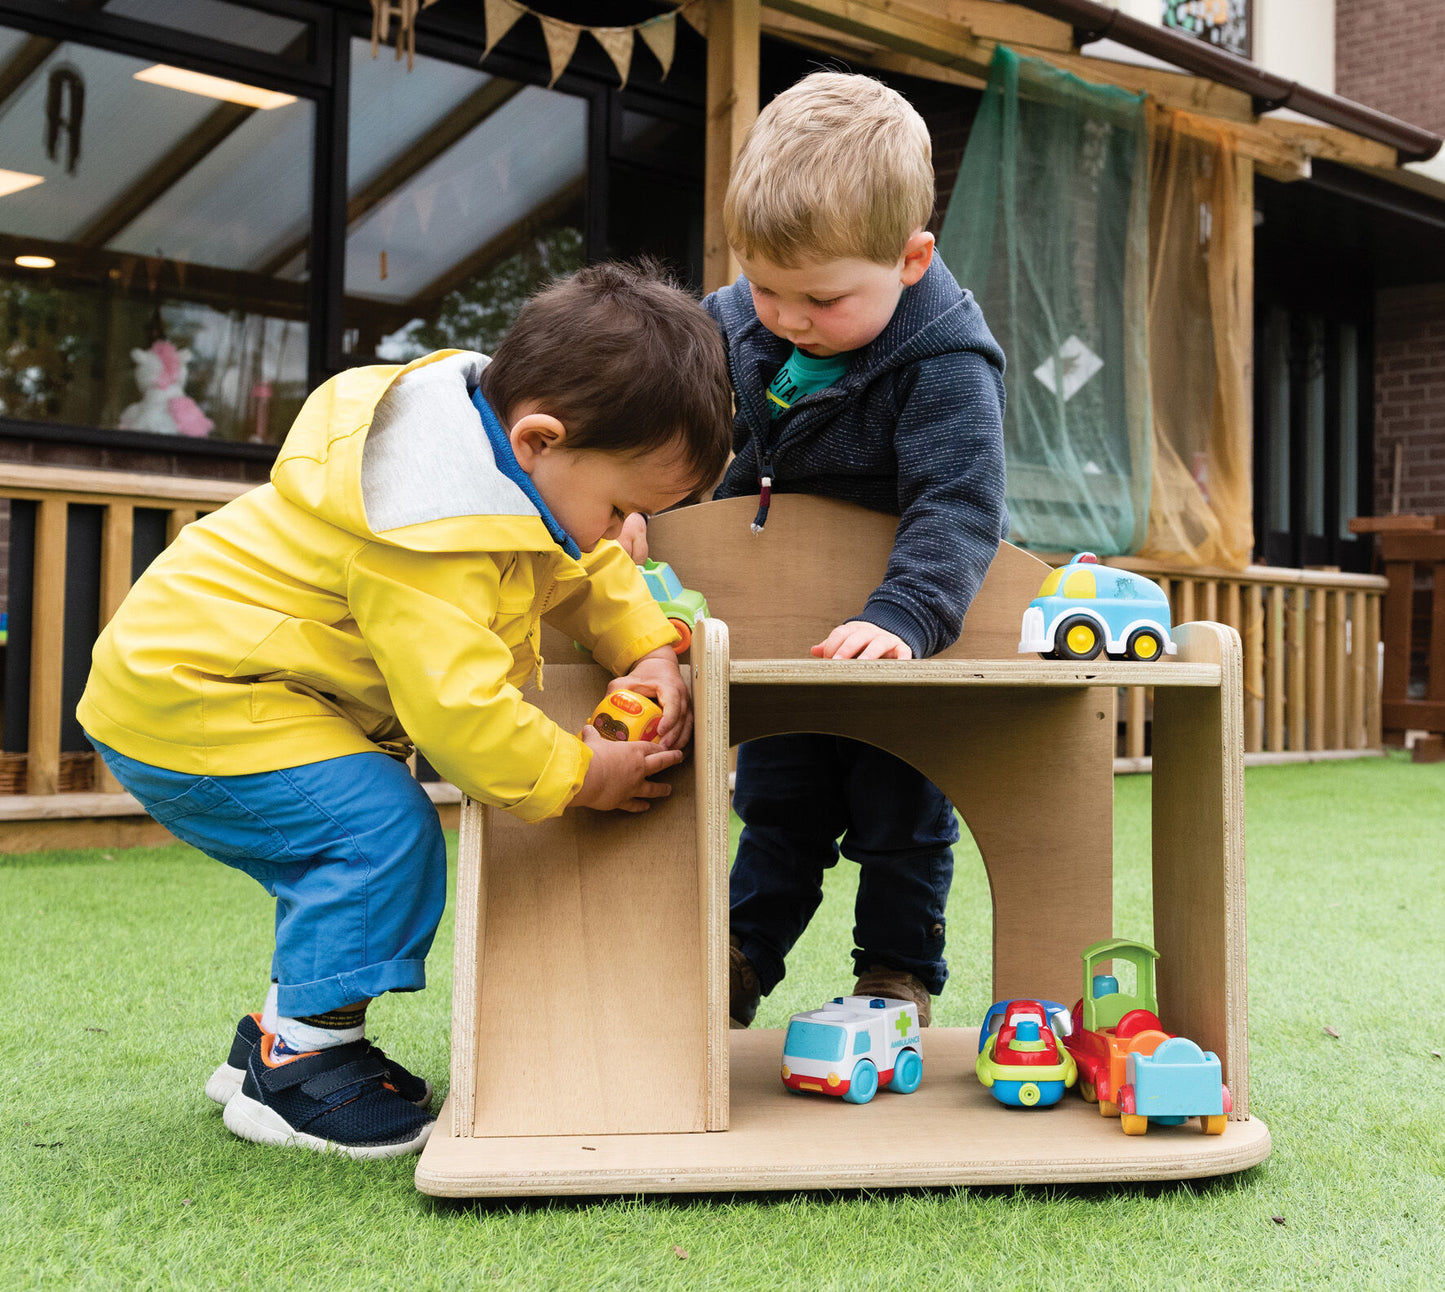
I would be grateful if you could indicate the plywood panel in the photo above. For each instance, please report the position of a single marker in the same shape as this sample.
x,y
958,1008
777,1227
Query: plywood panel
x,y
998,753
950,1131
1198,852
590,1005
813,567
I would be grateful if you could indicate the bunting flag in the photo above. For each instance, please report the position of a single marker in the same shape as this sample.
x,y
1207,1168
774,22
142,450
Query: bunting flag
x,y
618,42
658,33
561,38
501,16
660,36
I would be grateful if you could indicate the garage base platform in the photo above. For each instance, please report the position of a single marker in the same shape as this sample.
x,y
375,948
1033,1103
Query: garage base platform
x,y
950,1131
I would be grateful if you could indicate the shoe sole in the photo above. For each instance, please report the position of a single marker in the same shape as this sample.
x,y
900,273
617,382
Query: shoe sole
x,y
225,1081
249,1119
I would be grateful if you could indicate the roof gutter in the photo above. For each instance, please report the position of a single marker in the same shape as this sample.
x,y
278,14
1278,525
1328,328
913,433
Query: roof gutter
x,y
1092,21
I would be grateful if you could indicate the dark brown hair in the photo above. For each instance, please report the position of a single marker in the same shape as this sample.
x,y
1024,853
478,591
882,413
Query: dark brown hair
x,y
626,360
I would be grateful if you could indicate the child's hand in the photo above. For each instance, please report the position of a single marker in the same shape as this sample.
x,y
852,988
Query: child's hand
x,y
858,639
634,537
617,775
657,676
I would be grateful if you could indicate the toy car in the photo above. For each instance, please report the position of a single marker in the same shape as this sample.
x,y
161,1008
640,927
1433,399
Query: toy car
x,y
625,715
1109,1026
1084,608
1178,1081
1020,1061
854,1045
682,606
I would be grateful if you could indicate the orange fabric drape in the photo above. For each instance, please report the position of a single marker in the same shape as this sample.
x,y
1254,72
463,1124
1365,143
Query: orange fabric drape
x,y
1200,346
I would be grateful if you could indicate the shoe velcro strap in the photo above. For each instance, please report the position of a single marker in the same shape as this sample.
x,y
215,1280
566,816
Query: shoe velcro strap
x,y
325,1084
303,1072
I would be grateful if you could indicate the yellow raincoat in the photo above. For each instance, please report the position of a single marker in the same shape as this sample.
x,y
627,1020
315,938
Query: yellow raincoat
x,y
383,590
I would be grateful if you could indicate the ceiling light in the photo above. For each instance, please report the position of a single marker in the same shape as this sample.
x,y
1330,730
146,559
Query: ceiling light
x,y
35,262
213,87
12,181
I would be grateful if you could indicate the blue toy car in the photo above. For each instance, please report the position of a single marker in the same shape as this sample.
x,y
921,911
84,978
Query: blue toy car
x,y
1084,608
1174,1083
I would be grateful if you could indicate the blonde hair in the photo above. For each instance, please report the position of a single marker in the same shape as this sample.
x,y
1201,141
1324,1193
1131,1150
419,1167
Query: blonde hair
x,y
837,167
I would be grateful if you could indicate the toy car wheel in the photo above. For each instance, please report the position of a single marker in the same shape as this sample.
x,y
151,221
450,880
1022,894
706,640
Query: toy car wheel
x,y
1133,1124
1214,1125
1144,644
907,1072
684,632
1086,1088
1078,638
864,1083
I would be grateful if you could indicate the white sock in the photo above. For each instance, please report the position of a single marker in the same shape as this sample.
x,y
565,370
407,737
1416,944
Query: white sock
x,y
268,1010
302,1035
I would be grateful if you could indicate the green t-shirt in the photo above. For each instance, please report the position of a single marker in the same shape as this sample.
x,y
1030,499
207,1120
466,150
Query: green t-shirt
x,y
802,374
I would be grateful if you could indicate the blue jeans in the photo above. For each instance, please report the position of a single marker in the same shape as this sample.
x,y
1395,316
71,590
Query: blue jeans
x,y
350,848
797,795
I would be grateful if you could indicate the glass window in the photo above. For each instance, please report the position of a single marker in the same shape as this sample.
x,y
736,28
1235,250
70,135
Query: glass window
x,y
465,192
221,20
153,238
1277,379
1314,429
1349,428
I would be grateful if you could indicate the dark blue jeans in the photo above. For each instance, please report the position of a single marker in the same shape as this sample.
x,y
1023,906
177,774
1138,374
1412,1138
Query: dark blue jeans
x,y
797,796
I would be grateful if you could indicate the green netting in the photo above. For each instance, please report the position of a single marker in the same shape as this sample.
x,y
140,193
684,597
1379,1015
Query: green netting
x,y
1048,225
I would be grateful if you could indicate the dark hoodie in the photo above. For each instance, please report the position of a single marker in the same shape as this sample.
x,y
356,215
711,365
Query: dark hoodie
x,y
914,428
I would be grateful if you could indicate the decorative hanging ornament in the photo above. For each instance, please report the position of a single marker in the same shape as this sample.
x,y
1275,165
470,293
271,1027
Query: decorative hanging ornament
x,y
659,33
64,111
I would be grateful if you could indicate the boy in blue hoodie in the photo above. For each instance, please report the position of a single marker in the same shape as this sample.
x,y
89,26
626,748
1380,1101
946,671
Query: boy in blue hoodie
x,y
861,371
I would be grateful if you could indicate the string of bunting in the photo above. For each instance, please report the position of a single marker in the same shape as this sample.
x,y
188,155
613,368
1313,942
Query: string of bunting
x,y
659,33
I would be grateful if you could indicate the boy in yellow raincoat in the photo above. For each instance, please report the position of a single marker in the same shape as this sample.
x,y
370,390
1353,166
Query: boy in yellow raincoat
x,y
259,686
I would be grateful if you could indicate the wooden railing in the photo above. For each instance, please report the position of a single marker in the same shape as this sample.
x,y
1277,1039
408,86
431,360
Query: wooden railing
x,y
1415,629
1311,639
58,496
1311,655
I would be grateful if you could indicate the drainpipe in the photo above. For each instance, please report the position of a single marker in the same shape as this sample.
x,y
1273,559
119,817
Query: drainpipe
x,y
1092,21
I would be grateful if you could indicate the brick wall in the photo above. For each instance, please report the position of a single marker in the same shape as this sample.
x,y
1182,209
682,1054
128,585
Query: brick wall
x,y
1388,55
1410,398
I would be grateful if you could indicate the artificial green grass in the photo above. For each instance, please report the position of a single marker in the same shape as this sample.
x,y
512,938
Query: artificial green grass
x,y
125,972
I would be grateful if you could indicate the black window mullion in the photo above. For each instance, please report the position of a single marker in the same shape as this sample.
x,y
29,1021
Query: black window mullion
x,y
328,206
139,39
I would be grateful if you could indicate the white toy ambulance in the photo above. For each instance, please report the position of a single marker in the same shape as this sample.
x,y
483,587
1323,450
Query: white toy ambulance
x,y
854,1045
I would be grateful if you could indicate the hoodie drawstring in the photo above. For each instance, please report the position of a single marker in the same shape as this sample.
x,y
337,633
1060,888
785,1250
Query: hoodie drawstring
x,y
765,496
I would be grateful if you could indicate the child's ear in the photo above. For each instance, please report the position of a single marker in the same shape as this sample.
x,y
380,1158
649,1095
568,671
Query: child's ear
x,y
532,435
917,256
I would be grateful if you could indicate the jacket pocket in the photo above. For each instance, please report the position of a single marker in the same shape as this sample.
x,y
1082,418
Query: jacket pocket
x,y
277,701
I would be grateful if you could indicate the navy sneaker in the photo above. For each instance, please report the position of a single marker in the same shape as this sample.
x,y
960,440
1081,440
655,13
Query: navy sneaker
x,y
226,1079
337,1100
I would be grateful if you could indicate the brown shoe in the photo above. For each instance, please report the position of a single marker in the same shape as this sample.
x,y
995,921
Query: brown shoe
x,y
744,990
896,984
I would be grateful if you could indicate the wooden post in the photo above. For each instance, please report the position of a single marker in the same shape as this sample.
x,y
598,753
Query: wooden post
x,y
115,571
1295,636
1359,677
47,640
732,104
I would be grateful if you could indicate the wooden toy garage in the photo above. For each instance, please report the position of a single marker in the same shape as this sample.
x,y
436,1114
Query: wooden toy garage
x,y
590,1044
